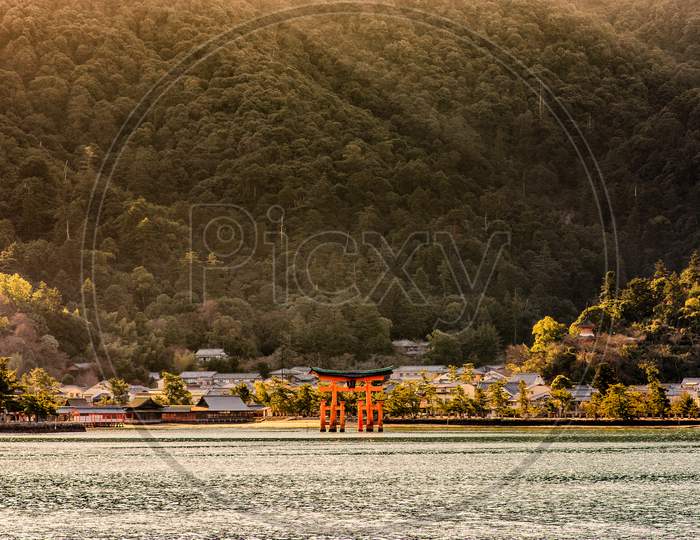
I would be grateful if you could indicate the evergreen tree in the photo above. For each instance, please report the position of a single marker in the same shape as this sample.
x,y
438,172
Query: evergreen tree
x,y
480,403
690,276
467,375
175,390
617,403
657,401
403,401
242,391
604,378
8,385
561,397
306,400
461,404
120,390
498,398
607,291
452,374
685,407
281,397
444,348
523,399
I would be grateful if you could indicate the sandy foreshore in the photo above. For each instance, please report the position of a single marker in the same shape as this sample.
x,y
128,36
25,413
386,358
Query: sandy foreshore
x,y
312,424
264,425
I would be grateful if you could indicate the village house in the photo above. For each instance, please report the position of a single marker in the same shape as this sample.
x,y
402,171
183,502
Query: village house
x,y
493,376
82,371
98,392
494,372
500,368
477,374
296,375
445,390
137,389
537,395
416,373
674,391
445,377
71,391
204,356
531,379
407,347
198,379
691,385
510,388
232,379
639,388
581,394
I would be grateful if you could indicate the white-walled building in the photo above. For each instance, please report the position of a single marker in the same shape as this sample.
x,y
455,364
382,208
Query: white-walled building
x,y
204,356
408,347
416,373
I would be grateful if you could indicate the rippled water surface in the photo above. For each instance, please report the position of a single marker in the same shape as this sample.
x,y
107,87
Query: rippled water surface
x,y
232,483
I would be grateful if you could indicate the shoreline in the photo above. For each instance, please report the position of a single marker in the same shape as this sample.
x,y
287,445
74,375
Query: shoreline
x,y
42,427
546,422
430,424
409,424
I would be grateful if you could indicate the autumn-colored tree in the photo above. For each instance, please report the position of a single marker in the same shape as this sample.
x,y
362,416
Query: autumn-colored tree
x,y
546,331
39,397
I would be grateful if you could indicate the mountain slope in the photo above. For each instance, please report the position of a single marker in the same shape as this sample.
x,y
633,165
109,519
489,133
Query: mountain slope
x,y
349,123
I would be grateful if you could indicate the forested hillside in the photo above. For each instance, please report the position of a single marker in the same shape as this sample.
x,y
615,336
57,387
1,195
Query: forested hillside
x,y
349,123
651,321
672,26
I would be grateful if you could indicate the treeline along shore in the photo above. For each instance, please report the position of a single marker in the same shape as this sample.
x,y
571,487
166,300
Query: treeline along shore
x,y
544,422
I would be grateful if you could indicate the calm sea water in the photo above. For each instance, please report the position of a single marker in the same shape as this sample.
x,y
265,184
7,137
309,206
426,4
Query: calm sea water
x,y
230,483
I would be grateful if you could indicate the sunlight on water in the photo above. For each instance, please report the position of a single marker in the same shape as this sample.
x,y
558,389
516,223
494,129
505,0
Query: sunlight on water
x,y
232,483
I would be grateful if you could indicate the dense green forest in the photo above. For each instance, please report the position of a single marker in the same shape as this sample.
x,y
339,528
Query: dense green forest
x,y
349,123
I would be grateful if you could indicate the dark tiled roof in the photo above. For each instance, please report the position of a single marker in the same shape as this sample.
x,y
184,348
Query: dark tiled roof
x,y
177,408
223,403
512,388
197,374
238,376
529,378
88,409
143,403
353,374
426,368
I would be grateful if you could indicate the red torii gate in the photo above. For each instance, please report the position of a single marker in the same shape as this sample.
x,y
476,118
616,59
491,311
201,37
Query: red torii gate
x,y
346,381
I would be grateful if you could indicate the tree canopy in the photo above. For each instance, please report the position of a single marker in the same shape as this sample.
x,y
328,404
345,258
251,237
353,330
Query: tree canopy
x,y
352,124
